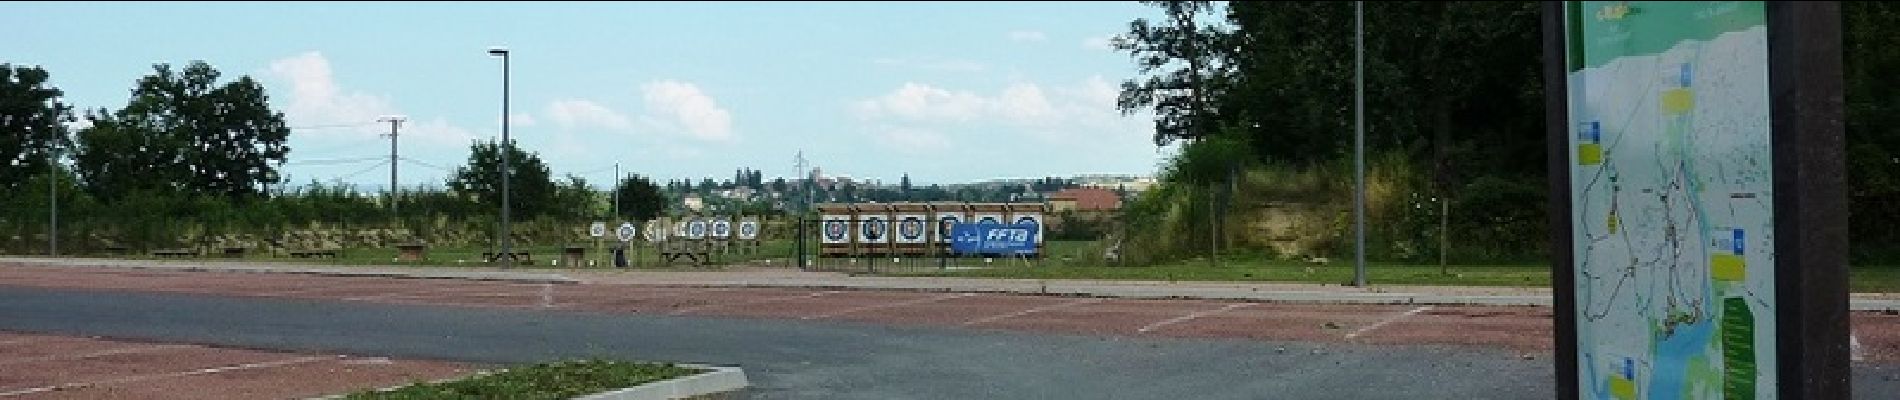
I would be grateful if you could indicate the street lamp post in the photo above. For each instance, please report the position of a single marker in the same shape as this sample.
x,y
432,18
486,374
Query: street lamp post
x,y
507,150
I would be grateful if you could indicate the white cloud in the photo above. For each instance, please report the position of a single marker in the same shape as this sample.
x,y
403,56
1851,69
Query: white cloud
x,y
572,114
1028,36
316,99
923,102
1024,103
910,113
932,64
1104,42
684,105
522,120
438,130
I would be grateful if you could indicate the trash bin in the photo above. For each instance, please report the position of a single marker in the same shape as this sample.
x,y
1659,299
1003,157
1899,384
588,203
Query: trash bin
x,y
620,256
410,252
573,255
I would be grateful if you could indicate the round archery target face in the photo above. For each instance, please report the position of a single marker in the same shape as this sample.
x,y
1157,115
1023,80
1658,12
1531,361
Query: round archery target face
x,y
696,229
721,228
911,230
944,222
835,231
748,229
874,230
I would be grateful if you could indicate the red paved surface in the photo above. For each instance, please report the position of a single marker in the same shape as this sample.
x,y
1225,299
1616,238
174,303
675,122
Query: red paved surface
x,y
1519,328
57,367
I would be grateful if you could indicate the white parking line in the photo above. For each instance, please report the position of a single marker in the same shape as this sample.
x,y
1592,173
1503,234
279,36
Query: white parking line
x,y
136,378
891,305
1387,320
995,318
760,301
103,353
1853,348
1191,316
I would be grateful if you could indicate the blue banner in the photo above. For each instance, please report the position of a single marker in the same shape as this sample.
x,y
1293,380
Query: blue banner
x,y
993,239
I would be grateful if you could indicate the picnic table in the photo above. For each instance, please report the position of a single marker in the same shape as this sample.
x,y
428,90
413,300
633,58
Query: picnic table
x,y
516,255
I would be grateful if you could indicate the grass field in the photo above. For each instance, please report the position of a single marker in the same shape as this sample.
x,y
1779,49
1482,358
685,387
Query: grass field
x,y
557,380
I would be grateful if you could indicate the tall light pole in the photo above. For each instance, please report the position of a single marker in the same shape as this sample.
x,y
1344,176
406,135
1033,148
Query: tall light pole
x,y
52,196
1359,143
507,150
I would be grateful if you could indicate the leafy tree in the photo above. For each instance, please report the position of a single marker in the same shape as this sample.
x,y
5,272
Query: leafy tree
x,y
1182,63
1873,126
32,123
530,191
640,199
573,200
183,132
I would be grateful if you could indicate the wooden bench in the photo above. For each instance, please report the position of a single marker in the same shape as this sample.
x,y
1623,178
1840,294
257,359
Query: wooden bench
x,y
312,253
233,252
174,253
517,256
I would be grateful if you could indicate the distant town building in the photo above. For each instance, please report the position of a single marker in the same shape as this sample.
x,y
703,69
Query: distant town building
x,y
693,203
1084,199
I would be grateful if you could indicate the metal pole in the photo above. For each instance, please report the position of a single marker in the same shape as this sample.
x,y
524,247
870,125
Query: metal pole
x,y
804,188
394,125
1359,144
52,190
616,188
508,147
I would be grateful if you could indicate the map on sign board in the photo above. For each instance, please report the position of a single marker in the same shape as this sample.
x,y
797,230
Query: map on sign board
x,y
1672,200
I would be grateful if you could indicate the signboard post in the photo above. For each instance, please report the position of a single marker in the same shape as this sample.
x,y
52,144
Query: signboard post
x,y
1698,206
596,230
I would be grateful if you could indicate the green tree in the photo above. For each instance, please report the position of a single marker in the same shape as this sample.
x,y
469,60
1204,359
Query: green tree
x,y
573,200
1873,127
640,199
32,123
530,190
183,132
1182,63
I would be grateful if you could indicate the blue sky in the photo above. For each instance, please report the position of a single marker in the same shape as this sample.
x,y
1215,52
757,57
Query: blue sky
x,y
947,92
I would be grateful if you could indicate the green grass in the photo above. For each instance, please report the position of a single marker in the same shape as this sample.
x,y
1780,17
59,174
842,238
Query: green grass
x,y
558,380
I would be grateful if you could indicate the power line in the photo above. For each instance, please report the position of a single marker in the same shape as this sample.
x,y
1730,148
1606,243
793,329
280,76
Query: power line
x,y
417,162
333,126
334,161
360,172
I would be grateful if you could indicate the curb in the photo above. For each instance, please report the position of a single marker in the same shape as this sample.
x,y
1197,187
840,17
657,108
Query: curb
x,y
722,379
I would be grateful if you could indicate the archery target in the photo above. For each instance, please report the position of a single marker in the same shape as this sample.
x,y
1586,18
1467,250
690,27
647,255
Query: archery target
x,y
722,228
836,229
749,228
696,229
652,231
874,229
912,228
1029,218
945,220
988,218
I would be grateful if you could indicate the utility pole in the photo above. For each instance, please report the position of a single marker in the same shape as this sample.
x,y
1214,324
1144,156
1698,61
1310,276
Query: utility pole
x,y
616,189
395,123
1359,143
804,188
52,190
